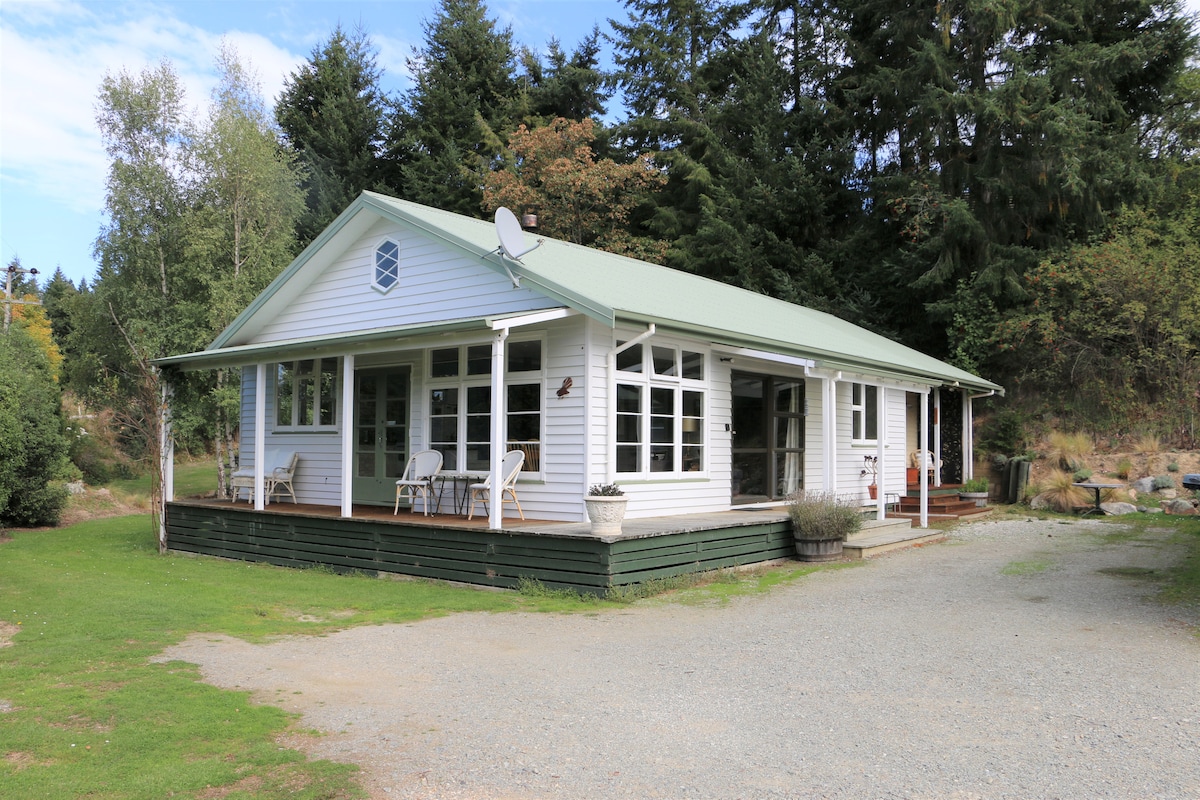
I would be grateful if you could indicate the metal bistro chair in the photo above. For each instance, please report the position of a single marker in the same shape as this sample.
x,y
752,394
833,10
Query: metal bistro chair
x,y
510,468
417,480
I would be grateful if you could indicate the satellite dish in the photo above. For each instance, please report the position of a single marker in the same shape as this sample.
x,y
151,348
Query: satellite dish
x,y
512,237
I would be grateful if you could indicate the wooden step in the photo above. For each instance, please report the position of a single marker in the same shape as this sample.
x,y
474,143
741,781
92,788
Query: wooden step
x,y
939,504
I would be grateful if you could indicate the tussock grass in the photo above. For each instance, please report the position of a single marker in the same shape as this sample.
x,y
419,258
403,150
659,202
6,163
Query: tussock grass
x,y
1061,494
1148,445
1069,450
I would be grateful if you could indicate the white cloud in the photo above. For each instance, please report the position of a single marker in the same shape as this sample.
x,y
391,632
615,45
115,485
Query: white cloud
x,y
53,57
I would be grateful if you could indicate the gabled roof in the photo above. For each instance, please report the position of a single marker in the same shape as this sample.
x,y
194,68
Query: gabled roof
x,y
613,289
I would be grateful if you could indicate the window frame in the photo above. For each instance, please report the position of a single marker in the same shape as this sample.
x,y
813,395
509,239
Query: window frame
x,y
648,432
465,380
375,268
315,404
864,413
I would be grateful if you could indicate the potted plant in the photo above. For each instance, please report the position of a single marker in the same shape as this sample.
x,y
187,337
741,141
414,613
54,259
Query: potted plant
x,y
975,489
871,467
821,521
606,508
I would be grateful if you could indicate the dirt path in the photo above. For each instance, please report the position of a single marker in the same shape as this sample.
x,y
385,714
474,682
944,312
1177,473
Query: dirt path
x,y
1020,659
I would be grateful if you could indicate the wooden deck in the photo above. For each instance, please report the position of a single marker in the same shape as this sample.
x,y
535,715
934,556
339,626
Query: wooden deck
x,y
453,548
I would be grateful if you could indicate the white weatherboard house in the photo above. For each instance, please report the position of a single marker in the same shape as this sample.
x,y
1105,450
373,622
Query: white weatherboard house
x,y
403,328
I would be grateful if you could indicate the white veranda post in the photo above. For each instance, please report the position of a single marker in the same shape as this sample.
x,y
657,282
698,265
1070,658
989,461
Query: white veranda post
x,y
923,467
496,500
260,433
880,442
166,459
829,431
347,414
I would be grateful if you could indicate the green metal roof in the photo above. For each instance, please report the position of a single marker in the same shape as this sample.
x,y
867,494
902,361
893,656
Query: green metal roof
x,y
614,289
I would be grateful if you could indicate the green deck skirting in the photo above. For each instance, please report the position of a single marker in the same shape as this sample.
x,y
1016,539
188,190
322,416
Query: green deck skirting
x,y
489,558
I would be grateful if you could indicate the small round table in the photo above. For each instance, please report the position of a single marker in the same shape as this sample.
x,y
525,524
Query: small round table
x,y
1096,487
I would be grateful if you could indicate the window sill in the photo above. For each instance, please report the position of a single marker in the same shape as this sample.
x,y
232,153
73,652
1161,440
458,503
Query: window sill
x,y
637,479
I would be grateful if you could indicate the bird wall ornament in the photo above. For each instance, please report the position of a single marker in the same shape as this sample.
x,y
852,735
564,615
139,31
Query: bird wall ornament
x,y
565,389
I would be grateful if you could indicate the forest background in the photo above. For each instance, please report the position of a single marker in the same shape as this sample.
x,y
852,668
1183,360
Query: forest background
x,y
1009,186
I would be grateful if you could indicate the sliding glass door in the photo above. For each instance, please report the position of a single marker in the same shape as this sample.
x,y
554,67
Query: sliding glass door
x,y
768,437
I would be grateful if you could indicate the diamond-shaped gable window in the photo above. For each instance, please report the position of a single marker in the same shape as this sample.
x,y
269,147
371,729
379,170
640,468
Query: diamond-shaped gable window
x,y
387,266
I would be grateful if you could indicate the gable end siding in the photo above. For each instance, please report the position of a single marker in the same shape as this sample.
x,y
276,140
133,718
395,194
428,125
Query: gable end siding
x,y
436,284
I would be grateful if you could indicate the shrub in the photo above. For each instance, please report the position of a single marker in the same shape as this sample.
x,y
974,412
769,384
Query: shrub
x,y
1148,445
1069,449
1124,468
1061,492
1004,432
32,440
1164,482
605,490
1173,467
975,485
823,516
1082,475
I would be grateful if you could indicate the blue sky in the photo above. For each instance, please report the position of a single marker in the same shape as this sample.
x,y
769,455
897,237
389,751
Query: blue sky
x,y
54,53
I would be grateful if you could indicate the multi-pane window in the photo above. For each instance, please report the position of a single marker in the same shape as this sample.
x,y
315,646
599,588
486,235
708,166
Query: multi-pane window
x,y
864,412
387,266
660,410
306,393
460,409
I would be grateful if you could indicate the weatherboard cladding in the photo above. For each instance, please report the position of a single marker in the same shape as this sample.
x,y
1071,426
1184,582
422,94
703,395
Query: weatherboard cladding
x,y
604,286
435,283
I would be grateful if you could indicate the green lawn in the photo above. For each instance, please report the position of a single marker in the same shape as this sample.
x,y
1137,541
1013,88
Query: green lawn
x,y
192,477
86,714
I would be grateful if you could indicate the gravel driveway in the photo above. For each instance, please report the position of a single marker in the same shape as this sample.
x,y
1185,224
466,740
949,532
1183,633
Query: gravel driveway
x,y
1017,660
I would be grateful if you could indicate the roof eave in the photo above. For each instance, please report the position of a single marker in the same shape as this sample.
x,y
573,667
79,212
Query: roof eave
x,y
337,344
826,358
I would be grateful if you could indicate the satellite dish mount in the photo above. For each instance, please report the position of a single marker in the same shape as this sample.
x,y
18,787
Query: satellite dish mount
x,y
512,240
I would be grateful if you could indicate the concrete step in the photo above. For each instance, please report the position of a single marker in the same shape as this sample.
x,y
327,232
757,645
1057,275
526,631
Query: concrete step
x,y
884,536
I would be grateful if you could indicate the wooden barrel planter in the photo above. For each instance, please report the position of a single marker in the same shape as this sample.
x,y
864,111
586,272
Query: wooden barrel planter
x,y
819,549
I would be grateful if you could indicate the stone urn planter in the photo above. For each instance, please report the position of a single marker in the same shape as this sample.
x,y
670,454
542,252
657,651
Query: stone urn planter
x,y
606,509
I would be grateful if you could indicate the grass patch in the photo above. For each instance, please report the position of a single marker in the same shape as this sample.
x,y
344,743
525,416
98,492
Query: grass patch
x,y
721,586
1035,567
1183,579
192,479
1180,582
83,608
1131,572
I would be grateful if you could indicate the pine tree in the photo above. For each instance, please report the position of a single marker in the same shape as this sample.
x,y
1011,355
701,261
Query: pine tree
x,y
448,133
989,134
565,87
331,112
57,297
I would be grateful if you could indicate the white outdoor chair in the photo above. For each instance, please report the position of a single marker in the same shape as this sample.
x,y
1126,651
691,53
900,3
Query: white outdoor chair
x,y
279,469
925,459
510,468
417,480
